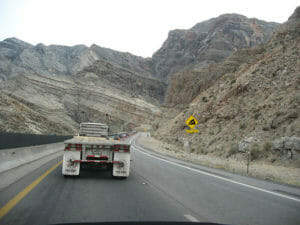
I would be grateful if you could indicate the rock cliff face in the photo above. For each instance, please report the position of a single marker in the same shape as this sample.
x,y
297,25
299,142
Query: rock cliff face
x,y
129,82
209,42
22,58
255,96
18,57
136,64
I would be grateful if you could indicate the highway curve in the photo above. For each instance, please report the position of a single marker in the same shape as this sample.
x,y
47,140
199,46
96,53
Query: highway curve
x,y
159,189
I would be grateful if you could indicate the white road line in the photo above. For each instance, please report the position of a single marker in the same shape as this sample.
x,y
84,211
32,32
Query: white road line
x,y
191,218
216,176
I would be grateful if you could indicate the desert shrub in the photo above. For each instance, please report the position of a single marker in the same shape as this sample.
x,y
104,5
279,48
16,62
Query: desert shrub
x,y
267,146
232,81
255,151
257,115
292,128
273,160
202,151
284,130
204,99
278,113
233,150
219,128
212,141
243,125
235,68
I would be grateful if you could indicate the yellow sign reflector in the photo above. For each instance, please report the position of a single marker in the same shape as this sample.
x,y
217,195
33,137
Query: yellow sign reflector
x,y
192,131
191,122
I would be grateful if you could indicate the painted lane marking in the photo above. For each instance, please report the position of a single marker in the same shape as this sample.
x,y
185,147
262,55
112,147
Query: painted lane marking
x,y
190,218
138,148
8,206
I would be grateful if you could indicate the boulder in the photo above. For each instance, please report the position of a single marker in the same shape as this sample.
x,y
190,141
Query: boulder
x,y
288,146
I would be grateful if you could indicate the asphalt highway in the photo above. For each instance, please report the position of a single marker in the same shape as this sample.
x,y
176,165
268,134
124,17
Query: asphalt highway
x,y
159,188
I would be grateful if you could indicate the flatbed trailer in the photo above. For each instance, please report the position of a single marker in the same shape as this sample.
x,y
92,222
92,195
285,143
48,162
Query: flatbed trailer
x,y
96,152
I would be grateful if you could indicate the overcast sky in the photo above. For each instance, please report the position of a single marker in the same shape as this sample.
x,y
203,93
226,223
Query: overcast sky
x,y
136,26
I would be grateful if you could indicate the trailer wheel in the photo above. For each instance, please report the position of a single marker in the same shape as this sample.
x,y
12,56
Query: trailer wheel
x,y
71,176
119,178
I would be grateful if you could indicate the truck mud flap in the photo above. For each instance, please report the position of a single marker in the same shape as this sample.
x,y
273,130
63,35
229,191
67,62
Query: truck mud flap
x,y
121,169
69,167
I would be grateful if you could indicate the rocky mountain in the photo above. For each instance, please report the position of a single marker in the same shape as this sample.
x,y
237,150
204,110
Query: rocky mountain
x,y
18,57
209,42
50,89
253,103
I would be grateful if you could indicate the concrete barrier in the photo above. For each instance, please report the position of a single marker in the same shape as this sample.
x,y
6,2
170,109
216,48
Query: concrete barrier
x,y
11,158
17,140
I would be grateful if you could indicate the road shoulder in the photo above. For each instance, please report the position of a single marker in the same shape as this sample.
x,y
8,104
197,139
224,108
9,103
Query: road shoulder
x,y
279,174
13,175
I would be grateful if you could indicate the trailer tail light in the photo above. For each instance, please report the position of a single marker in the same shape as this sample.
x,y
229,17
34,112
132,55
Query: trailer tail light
x,y
73,147
121,148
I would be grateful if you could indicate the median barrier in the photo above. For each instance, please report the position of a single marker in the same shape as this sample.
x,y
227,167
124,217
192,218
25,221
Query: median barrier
x,y
16,140
12,158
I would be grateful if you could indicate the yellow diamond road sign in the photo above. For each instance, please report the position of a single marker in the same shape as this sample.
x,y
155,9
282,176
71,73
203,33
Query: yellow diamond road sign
x,y
191,122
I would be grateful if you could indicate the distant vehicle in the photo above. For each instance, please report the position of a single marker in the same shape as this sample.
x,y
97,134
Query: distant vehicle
x,y
117,137
93,148
120,135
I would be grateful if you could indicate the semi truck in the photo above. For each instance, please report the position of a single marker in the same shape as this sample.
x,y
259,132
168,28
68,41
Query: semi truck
x,y
92,147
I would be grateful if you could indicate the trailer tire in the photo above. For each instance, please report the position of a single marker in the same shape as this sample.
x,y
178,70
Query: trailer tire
x,y
119,178
71,176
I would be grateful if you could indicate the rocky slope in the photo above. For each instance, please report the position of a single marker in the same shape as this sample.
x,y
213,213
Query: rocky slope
x,y
56,104
100,72
186,85
253,103
209,42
